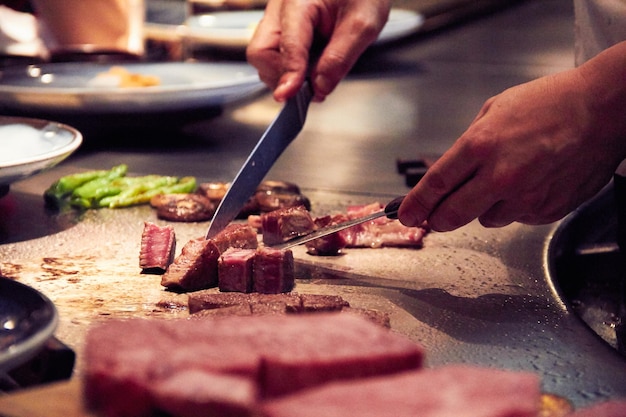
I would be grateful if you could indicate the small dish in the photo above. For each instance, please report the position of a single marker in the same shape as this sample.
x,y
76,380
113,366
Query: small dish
x,y
29,146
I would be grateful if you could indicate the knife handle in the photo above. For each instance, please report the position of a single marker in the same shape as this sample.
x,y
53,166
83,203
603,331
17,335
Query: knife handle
x,y
391,209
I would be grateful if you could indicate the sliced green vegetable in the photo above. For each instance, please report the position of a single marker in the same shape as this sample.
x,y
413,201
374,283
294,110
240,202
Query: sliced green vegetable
x,y
64,186
88,194
138,192
112,189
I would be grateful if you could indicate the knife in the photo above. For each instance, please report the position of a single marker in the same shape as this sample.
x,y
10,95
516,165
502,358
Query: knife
x,y
281,132
390,210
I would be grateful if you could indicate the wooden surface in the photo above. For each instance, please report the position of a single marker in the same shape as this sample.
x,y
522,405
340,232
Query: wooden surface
x,y
54,400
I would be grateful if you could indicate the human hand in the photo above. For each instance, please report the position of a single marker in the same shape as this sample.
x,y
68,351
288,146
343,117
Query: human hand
x,y
280,48
534,153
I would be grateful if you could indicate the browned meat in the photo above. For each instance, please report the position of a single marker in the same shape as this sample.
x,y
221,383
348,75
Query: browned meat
x,y
291,303
270,308
235,270
158,246
284,224
183,207
236,235
315,302
182,367
209,300
214,191
455,390
274,200
273,271
279,186
269,195
233,310
195,268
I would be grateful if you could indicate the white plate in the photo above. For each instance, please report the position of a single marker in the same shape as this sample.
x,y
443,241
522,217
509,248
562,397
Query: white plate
x,y
28,320
29,146
69,88
234,29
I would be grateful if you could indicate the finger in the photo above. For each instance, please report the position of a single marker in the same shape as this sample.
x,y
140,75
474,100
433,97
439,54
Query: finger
x,y
298,21
263,50
499,215
352,33
445,176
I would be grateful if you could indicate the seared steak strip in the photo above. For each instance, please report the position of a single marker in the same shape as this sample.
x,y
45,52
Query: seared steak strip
x,y
291,302
158,245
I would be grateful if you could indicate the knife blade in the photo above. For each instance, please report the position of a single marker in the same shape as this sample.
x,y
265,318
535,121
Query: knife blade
x,y
390,210
281,132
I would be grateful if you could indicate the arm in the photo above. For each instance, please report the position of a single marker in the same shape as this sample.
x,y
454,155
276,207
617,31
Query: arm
x,y
534,152
280,46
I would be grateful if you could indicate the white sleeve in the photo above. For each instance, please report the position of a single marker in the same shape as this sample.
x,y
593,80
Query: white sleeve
x,y
599,25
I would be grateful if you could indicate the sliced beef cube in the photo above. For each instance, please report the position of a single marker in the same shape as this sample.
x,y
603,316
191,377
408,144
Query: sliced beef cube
x,y
281,225
610,408
158,246
236,235
273,271
235,270
135,367
208,300
195,268
447,391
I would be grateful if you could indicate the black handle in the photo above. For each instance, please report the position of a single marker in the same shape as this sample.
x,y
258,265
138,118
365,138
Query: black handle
x,y
391,209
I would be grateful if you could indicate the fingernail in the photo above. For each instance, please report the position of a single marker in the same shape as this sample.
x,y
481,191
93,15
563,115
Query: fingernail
x,y
410,218
279,91
322,84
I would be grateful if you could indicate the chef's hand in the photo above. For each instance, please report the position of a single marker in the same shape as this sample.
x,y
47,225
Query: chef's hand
x,y
534,152
283,39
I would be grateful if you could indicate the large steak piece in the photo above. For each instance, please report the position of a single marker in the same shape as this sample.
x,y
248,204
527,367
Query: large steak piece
x,y
136,367
455,390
